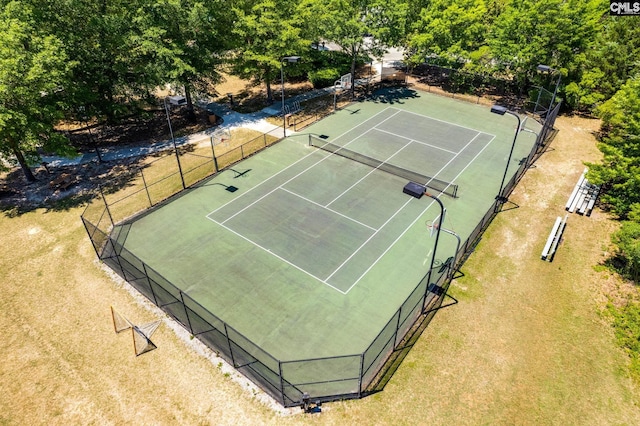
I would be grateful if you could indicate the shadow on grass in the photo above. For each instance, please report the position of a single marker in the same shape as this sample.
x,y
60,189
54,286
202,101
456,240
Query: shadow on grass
x,y
18,197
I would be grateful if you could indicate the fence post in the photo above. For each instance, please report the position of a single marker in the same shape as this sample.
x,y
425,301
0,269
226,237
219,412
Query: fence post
x,y
281,382
186,312
106,205
360,390
213,155
153,293
226,333
146,188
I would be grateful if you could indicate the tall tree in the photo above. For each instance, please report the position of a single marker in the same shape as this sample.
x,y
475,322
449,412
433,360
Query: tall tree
x,y
33,75
348,22
451,30
110,70
619,171
182,41
265,31
556,33
612,59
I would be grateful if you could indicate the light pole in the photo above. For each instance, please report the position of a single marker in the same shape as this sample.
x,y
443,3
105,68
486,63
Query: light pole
x,y
435,246
455,256
548,69
499,109
292,60
175,100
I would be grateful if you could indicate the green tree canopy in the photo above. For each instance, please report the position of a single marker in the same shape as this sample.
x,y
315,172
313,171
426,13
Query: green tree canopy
x,y
181,42
556,33
33,77
265,31
348,22
450,30
611,61
620,144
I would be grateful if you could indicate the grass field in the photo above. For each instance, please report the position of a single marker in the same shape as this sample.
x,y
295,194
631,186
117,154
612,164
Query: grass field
x,y
527,344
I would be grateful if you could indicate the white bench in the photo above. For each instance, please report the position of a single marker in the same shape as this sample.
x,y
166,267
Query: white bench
x,y
554,238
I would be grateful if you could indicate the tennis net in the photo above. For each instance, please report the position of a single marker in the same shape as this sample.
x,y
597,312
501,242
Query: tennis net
x,y
430,182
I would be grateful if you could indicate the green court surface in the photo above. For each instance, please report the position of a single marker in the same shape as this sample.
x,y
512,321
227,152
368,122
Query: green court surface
x,y
309,254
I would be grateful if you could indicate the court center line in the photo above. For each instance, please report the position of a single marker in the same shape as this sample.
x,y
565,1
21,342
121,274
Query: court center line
x,y
416,141
331,210
442,121
365,176
454,157
369,239
294,177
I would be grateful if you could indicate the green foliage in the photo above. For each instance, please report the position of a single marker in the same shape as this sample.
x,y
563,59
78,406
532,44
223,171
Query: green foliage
x,y
619,171
551,32
346,22
626,323
33,75
610,62
324,77
264,32
627,239
453,31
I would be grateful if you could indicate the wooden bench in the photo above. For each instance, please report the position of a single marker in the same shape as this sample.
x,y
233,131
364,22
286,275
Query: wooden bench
x,y
62,182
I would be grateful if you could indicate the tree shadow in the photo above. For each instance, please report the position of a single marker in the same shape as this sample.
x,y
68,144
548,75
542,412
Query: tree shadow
x,y
18,196
393,95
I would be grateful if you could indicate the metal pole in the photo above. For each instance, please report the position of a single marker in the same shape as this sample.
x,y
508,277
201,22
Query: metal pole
x,y
175,148
284,118
435,247
497,109
555,91
455,257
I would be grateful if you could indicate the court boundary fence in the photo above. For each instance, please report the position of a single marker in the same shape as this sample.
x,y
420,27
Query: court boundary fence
x,y
347,376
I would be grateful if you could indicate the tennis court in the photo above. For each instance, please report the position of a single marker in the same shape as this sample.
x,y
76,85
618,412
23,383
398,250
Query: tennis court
x,y
309,248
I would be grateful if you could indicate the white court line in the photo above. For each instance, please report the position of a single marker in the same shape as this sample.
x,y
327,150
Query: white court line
x,y
454,157
416,219
416,141
282,184
296,162
365,176
278,256
400,209
367,241
331,210
442,121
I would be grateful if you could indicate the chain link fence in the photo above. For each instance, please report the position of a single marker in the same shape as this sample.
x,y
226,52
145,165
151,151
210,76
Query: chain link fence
x,y
343,376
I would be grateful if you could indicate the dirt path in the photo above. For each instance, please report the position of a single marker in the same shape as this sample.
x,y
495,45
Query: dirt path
x,y
525,345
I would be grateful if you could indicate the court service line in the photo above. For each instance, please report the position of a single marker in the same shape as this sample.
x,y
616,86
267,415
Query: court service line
x,y
416,141
278,256
419,216
295,163
442,121
365,176
331,210
286,182
454,157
